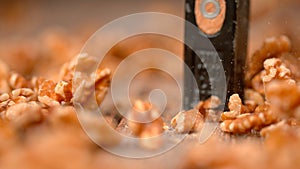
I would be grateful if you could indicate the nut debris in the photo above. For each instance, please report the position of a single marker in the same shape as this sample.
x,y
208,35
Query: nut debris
x,y
275,69
29,101
244,123
272,47
236,108
187,121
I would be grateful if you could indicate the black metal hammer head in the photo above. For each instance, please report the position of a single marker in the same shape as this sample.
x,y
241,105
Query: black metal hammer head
x,y
225,24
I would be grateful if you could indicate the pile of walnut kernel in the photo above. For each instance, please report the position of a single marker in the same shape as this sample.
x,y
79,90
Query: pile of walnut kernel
x,y
27,101
271,107
272,94
270,111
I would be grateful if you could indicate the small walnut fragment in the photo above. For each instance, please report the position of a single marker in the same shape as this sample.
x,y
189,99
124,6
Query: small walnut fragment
x,y
23,95
53,94
46,93
86,83
188,121
275,69
63,91
192,120
94,87
272,47
243,123
82,63
236,108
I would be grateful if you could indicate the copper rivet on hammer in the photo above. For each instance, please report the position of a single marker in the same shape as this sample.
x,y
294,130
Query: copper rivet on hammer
x,y
210,15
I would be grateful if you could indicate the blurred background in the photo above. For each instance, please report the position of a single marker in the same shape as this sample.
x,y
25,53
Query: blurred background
x,y
36,36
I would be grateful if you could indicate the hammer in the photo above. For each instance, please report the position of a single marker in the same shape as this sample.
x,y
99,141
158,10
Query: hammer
x,y
225,24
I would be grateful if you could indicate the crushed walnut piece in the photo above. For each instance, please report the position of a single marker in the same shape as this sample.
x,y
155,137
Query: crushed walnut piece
x,y
272,47
82,62
46,93
236,108
86,85
244,123
192,120
275,69
23,95
63,91
188,121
